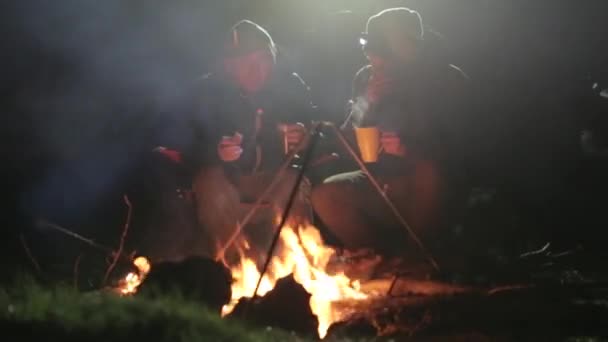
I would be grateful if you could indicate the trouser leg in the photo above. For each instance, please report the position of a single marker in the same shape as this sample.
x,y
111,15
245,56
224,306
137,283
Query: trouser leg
x,y
263,228
352,210
223,201
217,209
355,212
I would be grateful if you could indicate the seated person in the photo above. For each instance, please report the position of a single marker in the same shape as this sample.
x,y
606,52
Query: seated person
x,y
244,116
405,94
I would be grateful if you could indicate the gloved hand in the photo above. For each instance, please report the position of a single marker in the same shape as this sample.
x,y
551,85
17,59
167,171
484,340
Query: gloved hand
x,y
293,133
229,148
391,143
173,155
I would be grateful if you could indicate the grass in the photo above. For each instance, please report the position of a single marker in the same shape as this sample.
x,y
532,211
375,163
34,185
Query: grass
x,y
33,312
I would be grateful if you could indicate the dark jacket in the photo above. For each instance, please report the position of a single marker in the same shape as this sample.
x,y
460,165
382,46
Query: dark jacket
x,y
421,108
219,109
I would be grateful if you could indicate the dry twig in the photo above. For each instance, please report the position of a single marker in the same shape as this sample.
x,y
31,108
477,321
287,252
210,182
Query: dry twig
x,y
509,288
118,253
90,242
76,268
29,254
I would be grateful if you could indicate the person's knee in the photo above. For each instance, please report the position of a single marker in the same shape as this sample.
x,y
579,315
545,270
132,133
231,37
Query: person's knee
x,y
324,197
210,174
355,177
207,179
338,194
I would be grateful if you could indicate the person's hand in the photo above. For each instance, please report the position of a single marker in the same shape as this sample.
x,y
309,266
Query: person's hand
x,y
229,149
173,155
294,133
391,144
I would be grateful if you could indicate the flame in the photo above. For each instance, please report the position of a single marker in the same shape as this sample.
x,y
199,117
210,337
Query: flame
x,y
131,281
301,252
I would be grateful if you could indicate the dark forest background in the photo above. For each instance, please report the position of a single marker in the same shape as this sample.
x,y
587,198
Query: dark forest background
x,y
88,87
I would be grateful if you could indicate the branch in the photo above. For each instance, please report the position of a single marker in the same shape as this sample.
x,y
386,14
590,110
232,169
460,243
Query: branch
x,y
28,252
125,230
509,288
104,249
76,268
45,224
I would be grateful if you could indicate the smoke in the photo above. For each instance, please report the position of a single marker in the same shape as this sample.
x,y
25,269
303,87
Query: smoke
x,y
90,85
96,84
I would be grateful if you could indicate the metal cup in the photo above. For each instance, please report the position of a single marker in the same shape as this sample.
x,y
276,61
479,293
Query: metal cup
x,y
368,140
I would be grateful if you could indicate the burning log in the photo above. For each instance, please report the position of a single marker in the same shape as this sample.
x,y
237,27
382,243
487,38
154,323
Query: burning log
x,y
286,307
196,278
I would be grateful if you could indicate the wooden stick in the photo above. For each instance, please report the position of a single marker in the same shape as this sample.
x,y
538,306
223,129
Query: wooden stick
x,y
76,269
123,237
29,254
258,203
387,200
90,242
315,133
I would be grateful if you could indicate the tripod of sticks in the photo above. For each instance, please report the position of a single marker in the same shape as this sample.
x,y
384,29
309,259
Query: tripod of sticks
x,y
308,146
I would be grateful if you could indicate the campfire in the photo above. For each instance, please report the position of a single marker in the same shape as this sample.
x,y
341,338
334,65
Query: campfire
x,y
301,252
332,294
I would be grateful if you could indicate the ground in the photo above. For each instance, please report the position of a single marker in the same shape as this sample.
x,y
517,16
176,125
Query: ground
x,y
31,312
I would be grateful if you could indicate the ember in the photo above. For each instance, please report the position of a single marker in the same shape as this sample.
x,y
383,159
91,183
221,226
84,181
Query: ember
x,y
301,252
131,281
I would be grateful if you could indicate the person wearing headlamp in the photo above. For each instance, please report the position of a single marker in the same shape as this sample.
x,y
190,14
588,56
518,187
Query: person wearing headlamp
x,y
408,93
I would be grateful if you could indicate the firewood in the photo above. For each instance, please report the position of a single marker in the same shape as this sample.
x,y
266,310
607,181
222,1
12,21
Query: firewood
x,y
286,306
196,278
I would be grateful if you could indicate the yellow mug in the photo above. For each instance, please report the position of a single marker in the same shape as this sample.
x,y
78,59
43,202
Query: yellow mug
x,y
368,139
